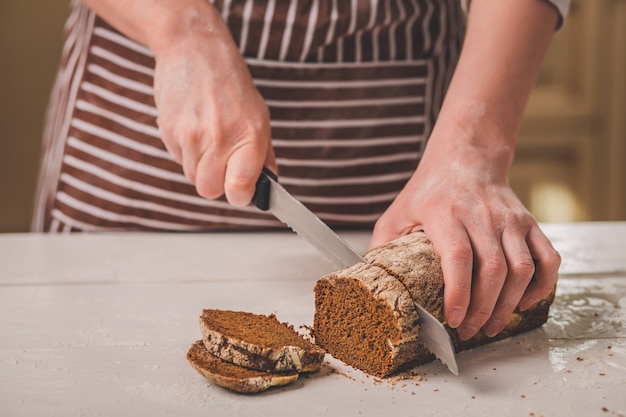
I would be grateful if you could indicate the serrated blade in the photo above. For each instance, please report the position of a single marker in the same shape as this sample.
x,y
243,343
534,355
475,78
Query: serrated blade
x,y
435,337
307,225
271,196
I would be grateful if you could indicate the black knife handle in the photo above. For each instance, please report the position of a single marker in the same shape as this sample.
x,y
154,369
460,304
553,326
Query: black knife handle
x,y
261,197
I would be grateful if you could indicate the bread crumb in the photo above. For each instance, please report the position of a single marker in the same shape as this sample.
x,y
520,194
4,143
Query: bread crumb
x,y
523,396
602,374
345,375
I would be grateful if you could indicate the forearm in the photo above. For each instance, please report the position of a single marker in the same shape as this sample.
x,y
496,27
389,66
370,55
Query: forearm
x,y
158,24
494,257
505,44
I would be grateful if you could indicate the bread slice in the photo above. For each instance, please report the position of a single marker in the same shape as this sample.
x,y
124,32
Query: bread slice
x,y
258,342
233,377
364,314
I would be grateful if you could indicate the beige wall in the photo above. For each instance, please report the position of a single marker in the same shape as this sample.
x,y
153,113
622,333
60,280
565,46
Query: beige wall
x,y
571,154
571,158
30,43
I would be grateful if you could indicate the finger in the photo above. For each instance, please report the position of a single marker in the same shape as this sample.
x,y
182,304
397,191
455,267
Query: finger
x,y
191,151
547,263
520,270
242,171
171,145
384,231
210,171
490,272
173,148
453,245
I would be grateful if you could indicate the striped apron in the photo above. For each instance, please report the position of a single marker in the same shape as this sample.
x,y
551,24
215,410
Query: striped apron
x,y
353,88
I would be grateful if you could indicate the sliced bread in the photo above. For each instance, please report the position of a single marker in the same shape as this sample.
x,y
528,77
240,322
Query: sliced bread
x,y
257,341
234,377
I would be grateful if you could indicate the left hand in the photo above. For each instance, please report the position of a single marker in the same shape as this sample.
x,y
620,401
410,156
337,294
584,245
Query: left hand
x,y
494,256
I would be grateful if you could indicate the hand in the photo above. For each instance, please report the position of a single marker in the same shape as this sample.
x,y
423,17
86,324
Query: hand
x,y
211,116
494,256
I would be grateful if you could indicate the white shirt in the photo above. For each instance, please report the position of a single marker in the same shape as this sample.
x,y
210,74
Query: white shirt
x,y
562,7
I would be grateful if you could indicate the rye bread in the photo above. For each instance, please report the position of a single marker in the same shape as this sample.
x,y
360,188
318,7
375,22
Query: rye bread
x,y
234,377
257,341
364,314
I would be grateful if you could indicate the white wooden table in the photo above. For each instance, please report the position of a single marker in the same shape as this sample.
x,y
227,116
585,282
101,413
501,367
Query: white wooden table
x,y
98,325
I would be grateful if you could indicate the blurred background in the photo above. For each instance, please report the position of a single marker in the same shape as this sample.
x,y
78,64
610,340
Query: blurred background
x,y
571,159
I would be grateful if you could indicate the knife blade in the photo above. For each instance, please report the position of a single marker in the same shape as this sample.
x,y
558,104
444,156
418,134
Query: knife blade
x,y
271,196
435,337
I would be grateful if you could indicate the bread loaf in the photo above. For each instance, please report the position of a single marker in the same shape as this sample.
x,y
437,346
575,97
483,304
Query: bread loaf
x,y
234,377
364,314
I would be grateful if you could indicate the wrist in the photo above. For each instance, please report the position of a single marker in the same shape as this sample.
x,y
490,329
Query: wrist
x,y
168,27
470,135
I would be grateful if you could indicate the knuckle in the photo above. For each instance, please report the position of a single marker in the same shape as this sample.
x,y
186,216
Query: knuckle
x,y
495,266
504,309
544,287
239,182
523,267
519,216
553,259
192,136
461,288
258,127
190,172
479,317
207,190
460,253
165,128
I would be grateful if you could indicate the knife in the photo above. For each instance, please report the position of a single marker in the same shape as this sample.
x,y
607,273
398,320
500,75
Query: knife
x,y
271,196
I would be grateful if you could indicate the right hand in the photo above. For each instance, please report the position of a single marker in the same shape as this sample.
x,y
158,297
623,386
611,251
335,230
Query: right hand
x,y
212,118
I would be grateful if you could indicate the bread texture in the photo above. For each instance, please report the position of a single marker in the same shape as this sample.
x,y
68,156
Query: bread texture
x,y
257,341
234,377
364,315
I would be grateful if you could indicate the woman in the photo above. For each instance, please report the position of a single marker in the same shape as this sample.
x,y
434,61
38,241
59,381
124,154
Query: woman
x,y
163,117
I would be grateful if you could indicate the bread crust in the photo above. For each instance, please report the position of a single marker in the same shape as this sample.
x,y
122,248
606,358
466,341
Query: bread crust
x,y
233,377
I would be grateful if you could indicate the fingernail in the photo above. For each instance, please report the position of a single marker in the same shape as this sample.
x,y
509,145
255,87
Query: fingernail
x,y
466,332
457,314
493,327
